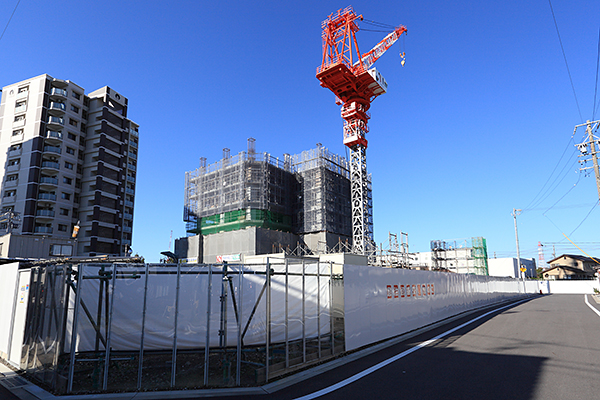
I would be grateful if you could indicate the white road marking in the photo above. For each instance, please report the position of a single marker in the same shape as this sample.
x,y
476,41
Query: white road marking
x,y
590,306
384,363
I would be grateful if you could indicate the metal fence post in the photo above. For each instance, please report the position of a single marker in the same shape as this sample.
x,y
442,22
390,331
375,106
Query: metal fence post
x,y
303,312
268,318
287,342
207,344
318,309
108,334
238,377
331,321
74,328
174,354
141,357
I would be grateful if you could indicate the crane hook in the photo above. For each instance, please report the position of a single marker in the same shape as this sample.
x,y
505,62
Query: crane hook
x,y
403,59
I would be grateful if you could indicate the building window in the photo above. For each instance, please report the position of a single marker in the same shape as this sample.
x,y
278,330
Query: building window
x,y
84,114
61,250
76,95
19,118
72,122
12,177
17,132
68,165
23,89
83,127
64,211
68,181
70,150
15,147
75,109
10,193
62,228
14,161
65,196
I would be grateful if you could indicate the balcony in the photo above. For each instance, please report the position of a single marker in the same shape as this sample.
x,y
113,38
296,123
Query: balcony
x,y
128,216
47,196
134,132
127,229
44,213
58,92
128,203
50,165
53,137
21,108
42,229
130,179
13,168
48,180
133,144
19,123
133,155
131,167
22,95
126,242
52,149
15,152
54,122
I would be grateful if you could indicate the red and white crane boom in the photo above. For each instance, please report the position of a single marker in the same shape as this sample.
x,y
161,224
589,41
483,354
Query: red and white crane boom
x,y
349,75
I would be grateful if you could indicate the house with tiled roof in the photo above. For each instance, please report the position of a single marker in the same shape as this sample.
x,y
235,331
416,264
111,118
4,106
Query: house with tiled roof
x,y
570,266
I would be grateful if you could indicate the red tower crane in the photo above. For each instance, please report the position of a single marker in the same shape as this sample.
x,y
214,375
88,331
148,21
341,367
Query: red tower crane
x,y
349,75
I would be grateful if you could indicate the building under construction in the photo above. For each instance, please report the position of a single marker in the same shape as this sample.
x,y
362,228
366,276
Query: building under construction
x,y
466,256
253,203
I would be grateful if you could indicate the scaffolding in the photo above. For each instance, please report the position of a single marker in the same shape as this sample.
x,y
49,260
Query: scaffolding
x,y
323,199
247,189
468,256
303,193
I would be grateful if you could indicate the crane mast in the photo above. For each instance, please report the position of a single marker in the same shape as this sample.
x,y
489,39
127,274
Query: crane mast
x,y
349,75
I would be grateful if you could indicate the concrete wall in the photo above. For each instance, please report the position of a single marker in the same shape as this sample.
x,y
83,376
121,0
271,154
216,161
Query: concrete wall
x,y
568,287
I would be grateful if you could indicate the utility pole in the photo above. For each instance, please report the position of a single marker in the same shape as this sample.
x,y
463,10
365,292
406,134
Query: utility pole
x,y
514,213
592,141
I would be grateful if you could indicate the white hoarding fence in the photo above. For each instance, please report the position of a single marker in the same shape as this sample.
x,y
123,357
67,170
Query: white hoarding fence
x,y
249,322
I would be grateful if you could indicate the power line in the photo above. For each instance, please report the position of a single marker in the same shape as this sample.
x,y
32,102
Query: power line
x,y
588,214
596,88
563,196
552,173
11,15
566,63
544,194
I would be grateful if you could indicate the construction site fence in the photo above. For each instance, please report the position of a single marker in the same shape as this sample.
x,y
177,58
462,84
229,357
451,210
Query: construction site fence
x,y
88,328
108,327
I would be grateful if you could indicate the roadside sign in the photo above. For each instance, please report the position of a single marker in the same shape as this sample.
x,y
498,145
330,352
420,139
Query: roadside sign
x,y
523,269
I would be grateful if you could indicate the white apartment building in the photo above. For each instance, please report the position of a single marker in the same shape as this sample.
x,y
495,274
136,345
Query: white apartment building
x,y
66,157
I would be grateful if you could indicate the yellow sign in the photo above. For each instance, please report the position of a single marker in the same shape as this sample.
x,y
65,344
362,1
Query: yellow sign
x,y
523,269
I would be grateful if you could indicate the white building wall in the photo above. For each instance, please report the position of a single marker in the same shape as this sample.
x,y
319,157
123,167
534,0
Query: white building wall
x,y
509,267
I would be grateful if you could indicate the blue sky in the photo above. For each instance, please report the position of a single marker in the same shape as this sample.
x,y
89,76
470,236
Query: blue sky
x,y
471,127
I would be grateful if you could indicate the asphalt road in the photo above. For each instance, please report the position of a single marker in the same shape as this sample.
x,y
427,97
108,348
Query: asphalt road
x,y
545,348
